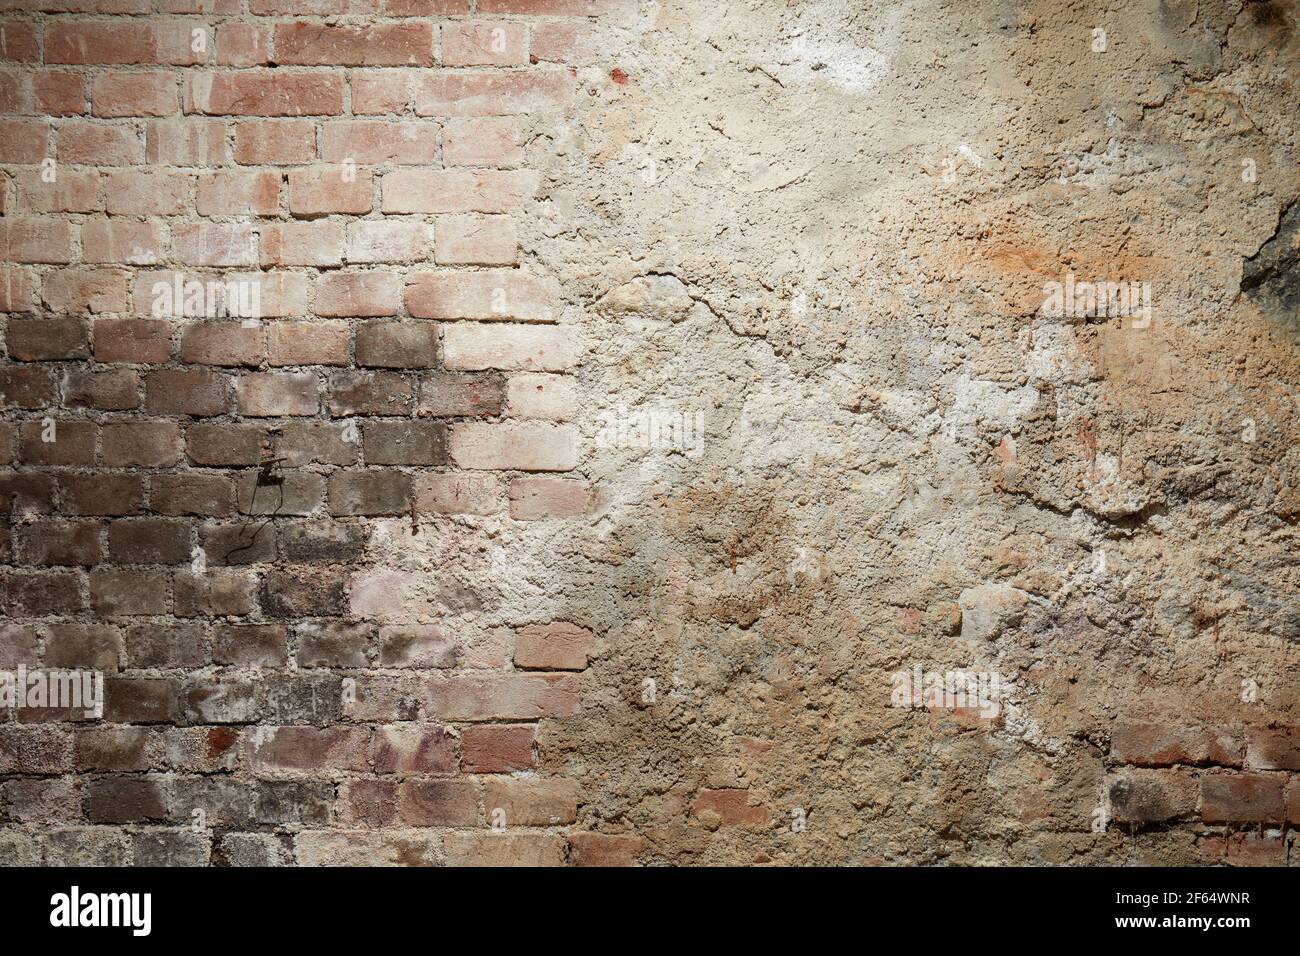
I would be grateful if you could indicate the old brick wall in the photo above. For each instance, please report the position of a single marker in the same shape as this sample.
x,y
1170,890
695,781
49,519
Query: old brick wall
x,y
195,488
643,400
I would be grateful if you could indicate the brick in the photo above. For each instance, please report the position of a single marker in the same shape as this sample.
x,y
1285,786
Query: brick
x,y
124,241
517,446
605,849
26,386
264,93
534,498
125,800
1273,749
432,803
473,347
539,395
42,801
404,443
86,846
302,443
387,241
319,191
195,392
731,807
346,294
372,44
35,750
192,493
478,43
102,494
223,343
470,848
129,593
185,141
370,393
133,94
571,8
380,92
136,341
318,540
99,144
15,290
489,748
368,803
238,193
52,544
1242,798
275,142
481,141
307,748
311,698
373,492
362,848
1152,796
250,645
456,190
69,442
308,343
282,492
216,592
492,94
416,645
220,702
60,93
458,394
1161,745
23,141
480,295
425,8
1245,849
36,240
282,294
555,646
214,244
86,290
294,802
242,44
167,645
379,142
252,849
18,42
157,847
459,494
277,393
530,802
475,240
332,644
18,645
111,390
112,749
82,42
302,244
396,344
139,193
48,340
414,749
502,696
138,443
73,191
302,593
149,541
40,593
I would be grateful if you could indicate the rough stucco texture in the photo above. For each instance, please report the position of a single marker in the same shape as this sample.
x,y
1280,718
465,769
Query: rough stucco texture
x,y
641,398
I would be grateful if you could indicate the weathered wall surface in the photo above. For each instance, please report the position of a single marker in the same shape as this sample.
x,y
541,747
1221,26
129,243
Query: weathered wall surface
x,y
645,401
